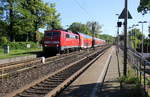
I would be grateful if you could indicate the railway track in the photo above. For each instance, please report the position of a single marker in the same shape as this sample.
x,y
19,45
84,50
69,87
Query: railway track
x,y
9,69
14,80
50,85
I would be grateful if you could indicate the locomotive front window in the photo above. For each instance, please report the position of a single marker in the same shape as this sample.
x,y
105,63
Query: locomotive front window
x,y
76,37
67,36
51,34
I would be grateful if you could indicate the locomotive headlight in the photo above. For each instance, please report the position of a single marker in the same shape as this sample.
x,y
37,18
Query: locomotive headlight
x,y
51,42
45,45
47,42
55,42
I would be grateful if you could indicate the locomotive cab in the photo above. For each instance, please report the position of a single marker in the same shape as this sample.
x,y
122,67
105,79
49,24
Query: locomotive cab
x,y
51,41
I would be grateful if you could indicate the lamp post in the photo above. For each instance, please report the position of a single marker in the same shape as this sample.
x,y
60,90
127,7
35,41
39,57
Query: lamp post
x,y
117,33
142,22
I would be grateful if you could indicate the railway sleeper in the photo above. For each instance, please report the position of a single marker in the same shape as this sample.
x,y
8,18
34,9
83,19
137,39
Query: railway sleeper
x,y
25,95
52,82
46,85
62,76
35,91
56,78
43,87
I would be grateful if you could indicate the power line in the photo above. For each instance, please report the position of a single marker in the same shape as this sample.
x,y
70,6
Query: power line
x,y
82,8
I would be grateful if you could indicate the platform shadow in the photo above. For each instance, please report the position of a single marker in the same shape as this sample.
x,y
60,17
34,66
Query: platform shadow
x,y
106,90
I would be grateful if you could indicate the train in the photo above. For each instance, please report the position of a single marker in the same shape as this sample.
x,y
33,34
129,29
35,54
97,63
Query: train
x,y
61,41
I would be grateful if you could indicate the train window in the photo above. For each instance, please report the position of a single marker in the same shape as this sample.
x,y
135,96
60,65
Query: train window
x,y
72,36
67,36
76,37
50,34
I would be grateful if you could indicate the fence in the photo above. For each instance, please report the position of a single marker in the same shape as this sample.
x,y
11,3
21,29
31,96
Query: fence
x,y
141,65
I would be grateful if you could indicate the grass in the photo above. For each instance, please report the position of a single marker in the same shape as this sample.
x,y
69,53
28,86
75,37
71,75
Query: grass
x,y
130,84
131,78
19,52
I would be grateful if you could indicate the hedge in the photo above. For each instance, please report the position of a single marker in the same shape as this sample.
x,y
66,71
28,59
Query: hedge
x,y
21,45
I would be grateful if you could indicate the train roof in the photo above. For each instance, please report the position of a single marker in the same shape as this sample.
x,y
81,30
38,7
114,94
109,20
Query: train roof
x,y
85,35
60,30
88,36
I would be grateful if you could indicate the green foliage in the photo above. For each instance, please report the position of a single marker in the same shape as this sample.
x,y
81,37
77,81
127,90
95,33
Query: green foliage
x,y
148,35
22,18
131,78
87,29
78,27
4,40
39,36
54,23
136,36
106,37
19,52
94,26
144,6
22,45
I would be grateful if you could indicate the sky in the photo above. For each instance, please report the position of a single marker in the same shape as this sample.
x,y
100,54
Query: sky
x,y
102,11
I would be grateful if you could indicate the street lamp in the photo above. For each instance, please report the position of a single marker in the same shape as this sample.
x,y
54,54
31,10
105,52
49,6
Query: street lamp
x,y
142,22
117,33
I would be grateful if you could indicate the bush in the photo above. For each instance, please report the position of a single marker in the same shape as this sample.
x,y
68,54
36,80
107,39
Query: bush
x,y
129,80
22,45
4,40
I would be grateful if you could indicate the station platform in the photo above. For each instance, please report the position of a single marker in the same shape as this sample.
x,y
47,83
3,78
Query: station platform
x,y
100,79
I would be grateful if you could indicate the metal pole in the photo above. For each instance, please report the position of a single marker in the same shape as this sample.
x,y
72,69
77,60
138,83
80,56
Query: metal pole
x,y
142,22
93,35
142,57
125,38
117,34
142,40
118,37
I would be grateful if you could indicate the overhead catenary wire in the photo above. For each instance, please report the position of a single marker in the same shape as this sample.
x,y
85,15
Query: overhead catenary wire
x,y
83,9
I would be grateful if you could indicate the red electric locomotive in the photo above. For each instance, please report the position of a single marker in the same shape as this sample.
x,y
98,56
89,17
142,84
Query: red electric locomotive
x,y
59,40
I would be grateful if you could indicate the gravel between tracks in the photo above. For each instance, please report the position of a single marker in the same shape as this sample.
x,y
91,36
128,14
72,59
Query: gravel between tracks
x,y
18,80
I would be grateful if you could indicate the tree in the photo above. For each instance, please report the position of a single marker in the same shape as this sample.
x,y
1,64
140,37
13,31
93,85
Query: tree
x,y
54,23
93,24
23,18
148,35
144,6
14,17
136,37
108,38
40,13
39,36
78,27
